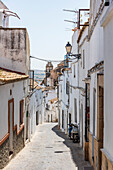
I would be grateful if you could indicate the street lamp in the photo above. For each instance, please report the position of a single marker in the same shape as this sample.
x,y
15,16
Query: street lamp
x,y
69,55
68,50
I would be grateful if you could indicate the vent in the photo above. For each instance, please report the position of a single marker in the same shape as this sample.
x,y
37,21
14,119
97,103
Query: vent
x,y
58,152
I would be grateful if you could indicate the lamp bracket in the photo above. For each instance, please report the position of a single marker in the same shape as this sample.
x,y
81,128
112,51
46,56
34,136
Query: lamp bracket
x,y
78,56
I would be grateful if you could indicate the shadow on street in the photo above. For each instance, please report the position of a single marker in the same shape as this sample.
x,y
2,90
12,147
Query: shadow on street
x,y
76,150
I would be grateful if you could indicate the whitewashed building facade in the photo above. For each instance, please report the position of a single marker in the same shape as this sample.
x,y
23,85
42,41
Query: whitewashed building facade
x,y
90,83
14,67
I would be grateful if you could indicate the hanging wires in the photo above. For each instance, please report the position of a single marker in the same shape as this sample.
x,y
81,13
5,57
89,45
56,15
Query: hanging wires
x,y
54,61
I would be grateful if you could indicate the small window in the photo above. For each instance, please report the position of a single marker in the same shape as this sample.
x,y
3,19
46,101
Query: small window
x,y
67,87
21,111
83,59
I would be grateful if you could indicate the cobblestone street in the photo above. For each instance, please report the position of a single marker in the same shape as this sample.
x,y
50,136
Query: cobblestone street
x,y
50,149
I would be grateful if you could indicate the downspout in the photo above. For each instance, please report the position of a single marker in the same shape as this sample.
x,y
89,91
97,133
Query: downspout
x,y
79,91
86,113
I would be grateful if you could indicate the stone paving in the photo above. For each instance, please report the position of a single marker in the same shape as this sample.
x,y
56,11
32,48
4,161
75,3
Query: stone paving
x,y
50,149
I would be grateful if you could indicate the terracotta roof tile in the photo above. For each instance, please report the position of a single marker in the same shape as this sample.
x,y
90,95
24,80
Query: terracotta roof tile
x,y
53,100
8,76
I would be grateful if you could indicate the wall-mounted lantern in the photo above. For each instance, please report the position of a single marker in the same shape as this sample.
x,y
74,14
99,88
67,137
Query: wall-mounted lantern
x,y
68,56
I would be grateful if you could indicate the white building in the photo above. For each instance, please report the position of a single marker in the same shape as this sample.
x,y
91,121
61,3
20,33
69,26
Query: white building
x,y
14,68
64,99
13,92
74,81
51,113
36,109
107,25
82,74
86,82
39,105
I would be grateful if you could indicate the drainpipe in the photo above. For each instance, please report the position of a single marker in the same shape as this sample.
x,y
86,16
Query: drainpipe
x,y
79,92
86,113
58,106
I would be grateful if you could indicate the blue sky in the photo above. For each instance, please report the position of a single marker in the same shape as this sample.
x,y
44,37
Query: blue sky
x,y
44,20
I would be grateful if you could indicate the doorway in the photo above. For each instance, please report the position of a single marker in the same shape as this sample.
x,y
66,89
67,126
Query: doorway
x,y
62,119
27,113
69,118
94,105
100,116
81,125
10,124
51,118
37,118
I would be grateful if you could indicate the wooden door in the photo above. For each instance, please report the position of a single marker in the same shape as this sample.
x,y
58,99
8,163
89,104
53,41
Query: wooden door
x,y
37,118
10,124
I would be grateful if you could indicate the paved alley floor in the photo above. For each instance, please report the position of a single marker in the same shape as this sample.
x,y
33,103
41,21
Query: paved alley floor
x,y
50,149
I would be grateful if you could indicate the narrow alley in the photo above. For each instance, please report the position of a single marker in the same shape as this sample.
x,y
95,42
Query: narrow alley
x,y
56,87
49,149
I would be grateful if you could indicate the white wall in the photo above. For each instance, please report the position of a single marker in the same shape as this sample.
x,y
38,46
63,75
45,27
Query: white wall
x,y
83,70
96,55
93,85
74,81
18,94
39,102
108,81
53,111
96,45
32,114
52,94
14,49
94,7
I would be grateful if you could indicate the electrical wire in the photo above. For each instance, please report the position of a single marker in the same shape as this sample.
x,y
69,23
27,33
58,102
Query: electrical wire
x,y
57,61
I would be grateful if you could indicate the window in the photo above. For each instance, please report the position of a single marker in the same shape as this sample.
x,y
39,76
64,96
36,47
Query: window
x,y
67,87
83,59
21,111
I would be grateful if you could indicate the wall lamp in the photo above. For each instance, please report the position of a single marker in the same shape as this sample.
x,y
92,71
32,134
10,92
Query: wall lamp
x,y
68,50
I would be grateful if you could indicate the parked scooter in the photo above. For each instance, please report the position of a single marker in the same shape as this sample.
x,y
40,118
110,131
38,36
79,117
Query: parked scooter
x,y
74,132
